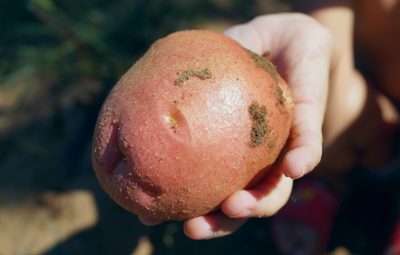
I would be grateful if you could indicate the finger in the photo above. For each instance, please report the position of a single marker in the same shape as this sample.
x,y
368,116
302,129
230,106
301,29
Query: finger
x,y
303,55
247,36
267,197
305,65
148,221
213,225
304,147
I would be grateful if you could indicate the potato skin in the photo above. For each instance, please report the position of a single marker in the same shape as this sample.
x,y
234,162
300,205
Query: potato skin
x,y
197,118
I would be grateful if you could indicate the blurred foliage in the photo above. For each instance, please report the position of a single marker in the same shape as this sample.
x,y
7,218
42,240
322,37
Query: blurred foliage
x,y
95,38
59,59
56,53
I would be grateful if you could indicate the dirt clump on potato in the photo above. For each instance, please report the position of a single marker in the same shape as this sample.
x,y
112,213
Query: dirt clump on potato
x,y
259,128
197,118
203,74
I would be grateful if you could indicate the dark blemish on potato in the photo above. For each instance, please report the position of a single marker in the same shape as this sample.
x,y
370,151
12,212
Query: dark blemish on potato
x,y
185,75
265,64
259,128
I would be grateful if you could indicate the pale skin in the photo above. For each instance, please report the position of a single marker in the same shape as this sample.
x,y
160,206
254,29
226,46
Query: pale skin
x,y
358,115
310,55
353,103
305,65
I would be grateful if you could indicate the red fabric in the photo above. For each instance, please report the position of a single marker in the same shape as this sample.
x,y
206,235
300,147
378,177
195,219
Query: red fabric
x,y
314,205
394,244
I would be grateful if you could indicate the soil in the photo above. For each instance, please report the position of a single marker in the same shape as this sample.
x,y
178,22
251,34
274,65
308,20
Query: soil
x,y
203,74
259,128
265,64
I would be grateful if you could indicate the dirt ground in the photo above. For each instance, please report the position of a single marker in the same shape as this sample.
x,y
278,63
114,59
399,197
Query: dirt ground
x,y
51,202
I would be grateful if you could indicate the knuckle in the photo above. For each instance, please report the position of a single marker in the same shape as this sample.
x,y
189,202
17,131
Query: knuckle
x,y
309,27
234,31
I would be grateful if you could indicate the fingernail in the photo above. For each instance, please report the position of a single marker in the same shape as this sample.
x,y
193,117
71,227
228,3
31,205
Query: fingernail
x,y
295,177
243,214
208,233
220,233
302,172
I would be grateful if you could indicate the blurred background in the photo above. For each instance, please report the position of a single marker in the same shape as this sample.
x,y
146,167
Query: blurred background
x,y
58,61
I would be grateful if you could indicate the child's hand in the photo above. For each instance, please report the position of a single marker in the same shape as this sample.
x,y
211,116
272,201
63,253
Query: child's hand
x,y
301,48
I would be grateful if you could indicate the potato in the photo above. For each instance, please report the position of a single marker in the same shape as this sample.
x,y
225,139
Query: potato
x,y
197,118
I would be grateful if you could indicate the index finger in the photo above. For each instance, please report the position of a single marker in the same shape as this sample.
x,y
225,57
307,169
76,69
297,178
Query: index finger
x,y
302,54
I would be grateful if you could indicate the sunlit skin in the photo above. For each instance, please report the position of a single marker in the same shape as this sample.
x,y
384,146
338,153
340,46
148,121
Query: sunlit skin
x,y
352,104
306,53
357,98
360,97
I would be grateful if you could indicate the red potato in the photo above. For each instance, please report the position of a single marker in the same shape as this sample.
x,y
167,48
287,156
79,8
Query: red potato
x,y
197,118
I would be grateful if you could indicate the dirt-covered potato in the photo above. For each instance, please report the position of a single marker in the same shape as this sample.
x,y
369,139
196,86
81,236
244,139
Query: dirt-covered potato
x,y
197,118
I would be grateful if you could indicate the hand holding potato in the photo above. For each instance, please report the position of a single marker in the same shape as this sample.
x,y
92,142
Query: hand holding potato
x,y
301,48
199,117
